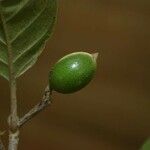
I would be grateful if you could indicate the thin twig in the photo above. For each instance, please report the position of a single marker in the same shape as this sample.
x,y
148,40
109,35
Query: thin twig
x,y
46,100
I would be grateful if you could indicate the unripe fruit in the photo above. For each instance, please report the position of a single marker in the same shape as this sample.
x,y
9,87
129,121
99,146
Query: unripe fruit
x,y
73,72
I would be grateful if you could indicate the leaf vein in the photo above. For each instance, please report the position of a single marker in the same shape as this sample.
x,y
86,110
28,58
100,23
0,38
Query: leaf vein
x,y
28,49
19,10
3,61
3,42
23,30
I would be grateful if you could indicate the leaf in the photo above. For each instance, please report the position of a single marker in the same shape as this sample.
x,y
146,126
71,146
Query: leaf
x,y
25,25
146,145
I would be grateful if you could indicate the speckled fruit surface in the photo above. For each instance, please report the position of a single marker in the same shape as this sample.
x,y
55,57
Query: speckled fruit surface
x,y
73,72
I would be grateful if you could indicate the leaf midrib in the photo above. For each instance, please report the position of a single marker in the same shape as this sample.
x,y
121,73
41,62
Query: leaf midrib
x,y
9,47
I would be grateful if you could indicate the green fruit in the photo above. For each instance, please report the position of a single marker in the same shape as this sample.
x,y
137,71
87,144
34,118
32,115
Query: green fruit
x,y
73,72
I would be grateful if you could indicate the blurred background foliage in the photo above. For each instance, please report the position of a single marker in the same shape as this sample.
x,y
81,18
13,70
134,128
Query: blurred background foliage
x,y
113,112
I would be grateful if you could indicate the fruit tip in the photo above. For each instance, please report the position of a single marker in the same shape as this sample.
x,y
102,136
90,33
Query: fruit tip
x,y
95,55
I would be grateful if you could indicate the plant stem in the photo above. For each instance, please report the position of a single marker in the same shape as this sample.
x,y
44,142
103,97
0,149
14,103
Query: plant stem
x,y
13,118
46,101
2,147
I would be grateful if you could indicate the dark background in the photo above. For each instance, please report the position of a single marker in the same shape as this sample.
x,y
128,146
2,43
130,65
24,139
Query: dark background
x,y
113,111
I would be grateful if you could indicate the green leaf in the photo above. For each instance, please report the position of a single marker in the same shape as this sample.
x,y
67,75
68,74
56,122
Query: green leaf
x,y
146,145
25,25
